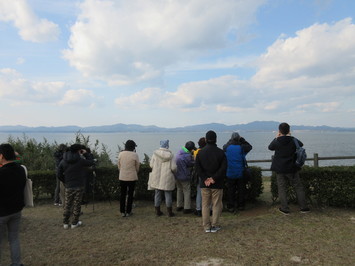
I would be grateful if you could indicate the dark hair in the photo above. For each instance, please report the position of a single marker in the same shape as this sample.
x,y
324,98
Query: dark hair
x,y
190,145
211,137
202,142
76,147
7,151
130,145
284,128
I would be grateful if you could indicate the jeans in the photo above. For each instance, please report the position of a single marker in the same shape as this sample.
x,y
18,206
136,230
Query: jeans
x,y
12,223
183,194
198,198
214,197
168,198
126,197
295,181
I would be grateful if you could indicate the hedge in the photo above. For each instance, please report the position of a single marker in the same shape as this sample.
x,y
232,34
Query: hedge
x,y
106,184
324,186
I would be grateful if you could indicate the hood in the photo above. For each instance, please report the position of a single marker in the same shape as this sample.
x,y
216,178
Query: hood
x,y
164,154
70,157
284,140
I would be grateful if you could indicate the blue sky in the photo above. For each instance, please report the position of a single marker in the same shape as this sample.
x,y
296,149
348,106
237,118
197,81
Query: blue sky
x,y
176,63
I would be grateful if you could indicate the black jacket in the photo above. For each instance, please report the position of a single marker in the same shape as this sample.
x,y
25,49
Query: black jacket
x,y
72,169
211,161
12,184
285,156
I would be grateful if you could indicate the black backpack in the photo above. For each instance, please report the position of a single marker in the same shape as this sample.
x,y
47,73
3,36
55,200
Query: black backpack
x,y
301,155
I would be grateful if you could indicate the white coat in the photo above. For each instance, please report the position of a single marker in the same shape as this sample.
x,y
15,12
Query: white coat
x,y
163,168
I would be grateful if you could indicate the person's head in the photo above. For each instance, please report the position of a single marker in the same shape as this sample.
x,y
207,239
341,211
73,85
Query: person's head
x,y
235,136
284,128
130,145
7,152
202,142
211,137
164,144
190,145
76,148
62,147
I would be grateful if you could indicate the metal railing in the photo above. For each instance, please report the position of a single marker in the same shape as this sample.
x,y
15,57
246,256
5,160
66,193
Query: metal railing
x,y
315,160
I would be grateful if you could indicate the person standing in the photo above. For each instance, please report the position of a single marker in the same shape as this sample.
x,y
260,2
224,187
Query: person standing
x,y
184,163
72,172
196,178
236,149
283,163
211,167
162,178
58,157
128,166
12,184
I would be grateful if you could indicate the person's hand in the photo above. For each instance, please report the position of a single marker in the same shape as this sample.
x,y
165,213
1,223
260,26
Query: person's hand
x,y
209,181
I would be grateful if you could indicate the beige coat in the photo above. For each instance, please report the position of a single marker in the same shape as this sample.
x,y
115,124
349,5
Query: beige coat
x,y
128,164
163,168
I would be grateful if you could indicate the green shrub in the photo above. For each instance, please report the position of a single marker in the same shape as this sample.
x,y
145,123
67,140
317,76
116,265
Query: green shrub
x,y
106,184
330,186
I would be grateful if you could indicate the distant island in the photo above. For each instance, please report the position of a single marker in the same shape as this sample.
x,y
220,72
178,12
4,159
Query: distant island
x,y
253,126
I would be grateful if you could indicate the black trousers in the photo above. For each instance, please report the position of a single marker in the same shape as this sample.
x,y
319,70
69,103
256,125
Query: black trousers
x,y
126,197
236,189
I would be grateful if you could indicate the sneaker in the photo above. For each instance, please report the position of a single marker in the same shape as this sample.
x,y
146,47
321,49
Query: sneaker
x,y
129,214
285,212
208,230
79,223
305,210
215,228
66,226
123,214
56,204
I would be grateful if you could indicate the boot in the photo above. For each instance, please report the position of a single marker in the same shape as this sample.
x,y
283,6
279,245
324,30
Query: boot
x,y
170,212
158,212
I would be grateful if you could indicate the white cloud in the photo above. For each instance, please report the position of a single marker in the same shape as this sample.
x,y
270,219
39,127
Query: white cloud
x,y
16,89
312,72
128,41
79,98
145,98
31,28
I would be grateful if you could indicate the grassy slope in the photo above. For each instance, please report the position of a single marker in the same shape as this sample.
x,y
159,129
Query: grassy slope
x,y
258,236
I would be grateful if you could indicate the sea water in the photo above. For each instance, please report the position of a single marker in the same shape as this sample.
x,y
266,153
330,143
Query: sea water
x,y
324,143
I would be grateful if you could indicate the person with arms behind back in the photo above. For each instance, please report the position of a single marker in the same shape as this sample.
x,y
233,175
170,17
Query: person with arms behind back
x,y
12,184
211,167
283,163
128,165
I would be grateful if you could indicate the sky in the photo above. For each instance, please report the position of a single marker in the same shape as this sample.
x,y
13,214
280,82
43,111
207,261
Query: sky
x,y
173,63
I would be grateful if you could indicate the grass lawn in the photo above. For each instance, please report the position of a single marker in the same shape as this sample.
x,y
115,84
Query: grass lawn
x,y
259,235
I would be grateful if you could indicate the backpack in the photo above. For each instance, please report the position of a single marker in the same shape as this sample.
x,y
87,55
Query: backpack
x,y
301,155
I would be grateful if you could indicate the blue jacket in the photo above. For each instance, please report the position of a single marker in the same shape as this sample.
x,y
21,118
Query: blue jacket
x,y
184,163
235,153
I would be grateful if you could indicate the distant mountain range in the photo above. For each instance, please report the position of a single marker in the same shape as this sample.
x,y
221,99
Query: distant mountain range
x,y
253,126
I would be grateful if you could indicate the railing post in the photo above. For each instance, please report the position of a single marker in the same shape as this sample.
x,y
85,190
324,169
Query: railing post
x,y
315,160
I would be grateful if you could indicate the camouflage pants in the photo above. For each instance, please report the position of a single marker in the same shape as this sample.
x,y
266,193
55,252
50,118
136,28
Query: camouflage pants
x,y
73,198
